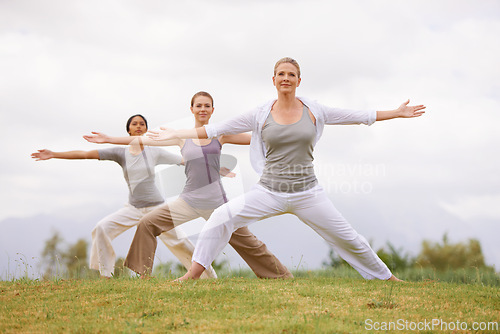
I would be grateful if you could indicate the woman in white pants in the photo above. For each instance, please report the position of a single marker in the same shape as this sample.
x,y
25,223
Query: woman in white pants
x,y
202,193
284,132
138,164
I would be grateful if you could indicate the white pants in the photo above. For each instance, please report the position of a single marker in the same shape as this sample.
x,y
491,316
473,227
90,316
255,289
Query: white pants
x,y
311,206
102,254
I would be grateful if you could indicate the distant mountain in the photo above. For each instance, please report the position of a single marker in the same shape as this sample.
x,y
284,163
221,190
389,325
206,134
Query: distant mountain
x,y
296,245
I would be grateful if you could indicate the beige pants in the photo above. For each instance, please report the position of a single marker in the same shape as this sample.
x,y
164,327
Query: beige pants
x,y
142,250
102,254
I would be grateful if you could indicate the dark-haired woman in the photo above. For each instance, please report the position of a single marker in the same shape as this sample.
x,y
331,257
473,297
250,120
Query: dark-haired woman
x,y
138,163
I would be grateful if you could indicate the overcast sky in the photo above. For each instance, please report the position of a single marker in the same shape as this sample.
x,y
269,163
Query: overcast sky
x,y
71,67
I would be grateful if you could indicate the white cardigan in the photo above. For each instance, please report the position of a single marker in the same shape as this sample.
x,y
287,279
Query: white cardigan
x,y
254,121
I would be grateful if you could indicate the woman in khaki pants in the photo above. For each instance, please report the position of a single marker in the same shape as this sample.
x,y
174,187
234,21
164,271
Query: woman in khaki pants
x,y
202,194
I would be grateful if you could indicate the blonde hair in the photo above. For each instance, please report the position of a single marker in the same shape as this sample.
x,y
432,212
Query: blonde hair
x,y
202,94
287,60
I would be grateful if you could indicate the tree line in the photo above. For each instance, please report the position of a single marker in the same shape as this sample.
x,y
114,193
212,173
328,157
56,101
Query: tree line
x,y
60,259
441,256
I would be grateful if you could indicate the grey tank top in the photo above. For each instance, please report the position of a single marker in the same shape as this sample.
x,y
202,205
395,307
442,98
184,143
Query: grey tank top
x,y
139,171
289,155
203,189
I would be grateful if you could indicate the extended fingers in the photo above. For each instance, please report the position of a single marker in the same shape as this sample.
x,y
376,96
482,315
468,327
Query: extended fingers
x,y
37,155
419,110
154,136
418,113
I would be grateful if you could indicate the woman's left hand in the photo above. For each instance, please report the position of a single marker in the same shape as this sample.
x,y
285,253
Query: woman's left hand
x,y
407,111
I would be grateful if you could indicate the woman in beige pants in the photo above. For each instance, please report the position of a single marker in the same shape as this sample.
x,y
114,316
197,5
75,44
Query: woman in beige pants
x,y
202,194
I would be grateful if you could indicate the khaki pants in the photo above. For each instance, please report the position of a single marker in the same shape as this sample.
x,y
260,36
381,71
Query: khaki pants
x,y
142,250
102,254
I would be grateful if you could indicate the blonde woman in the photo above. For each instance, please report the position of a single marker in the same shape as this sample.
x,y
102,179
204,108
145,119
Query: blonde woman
x,y
284,133
202,194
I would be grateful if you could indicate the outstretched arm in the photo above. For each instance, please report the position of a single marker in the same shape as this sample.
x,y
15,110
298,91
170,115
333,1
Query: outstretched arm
x,y
101,138
172,134
404,111
239,139
238,124
48,154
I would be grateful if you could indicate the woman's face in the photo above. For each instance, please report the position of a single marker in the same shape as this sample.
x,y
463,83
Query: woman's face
x,y
202,108
137,126
286,78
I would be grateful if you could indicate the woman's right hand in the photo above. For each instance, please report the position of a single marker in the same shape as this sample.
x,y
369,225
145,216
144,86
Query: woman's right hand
x,y
42,155
97,137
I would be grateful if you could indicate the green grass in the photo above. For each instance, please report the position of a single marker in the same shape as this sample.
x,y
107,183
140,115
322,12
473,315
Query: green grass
x,y
483,276
313,302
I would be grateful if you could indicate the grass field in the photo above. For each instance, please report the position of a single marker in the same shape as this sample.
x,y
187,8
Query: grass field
x,y
313,302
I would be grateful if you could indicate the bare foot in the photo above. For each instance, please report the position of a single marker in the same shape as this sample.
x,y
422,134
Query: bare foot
x,y
182,279
193,273
394,278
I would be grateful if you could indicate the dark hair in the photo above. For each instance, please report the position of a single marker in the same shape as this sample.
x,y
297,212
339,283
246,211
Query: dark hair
x,y
130,121
202,94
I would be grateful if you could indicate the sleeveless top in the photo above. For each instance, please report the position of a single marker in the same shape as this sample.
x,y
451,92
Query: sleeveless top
x,y
203,189
289,155
139,171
